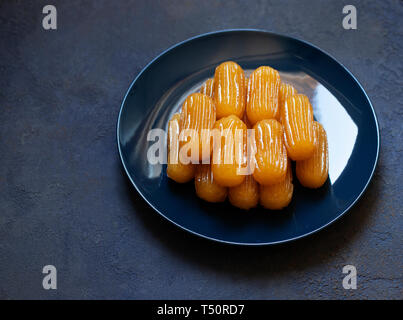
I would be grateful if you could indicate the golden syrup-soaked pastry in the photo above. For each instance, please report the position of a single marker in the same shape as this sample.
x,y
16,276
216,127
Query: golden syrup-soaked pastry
x,y
207,87
286,90
198,113
206,186
229,153
246,195
229,90
279,195
175,169
297,118
313,172
271,155
262,96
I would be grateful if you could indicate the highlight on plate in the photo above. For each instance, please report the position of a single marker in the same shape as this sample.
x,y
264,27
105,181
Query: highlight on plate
x,y
238,137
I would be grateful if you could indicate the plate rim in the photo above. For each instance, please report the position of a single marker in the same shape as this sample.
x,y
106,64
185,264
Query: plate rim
x,y
258,244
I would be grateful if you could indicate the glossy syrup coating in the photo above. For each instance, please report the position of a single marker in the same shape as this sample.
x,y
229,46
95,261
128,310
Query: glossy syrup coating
x,y
262,95
297,119
279,195
229,151
207,87
246,195
206,186
313,172
229,90
271,154
286,90
198,113
175,169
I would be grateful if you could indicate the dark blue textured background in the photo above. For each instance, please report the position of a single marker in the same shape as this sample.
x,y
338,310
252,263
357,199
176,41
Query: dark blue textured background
x,y
65,200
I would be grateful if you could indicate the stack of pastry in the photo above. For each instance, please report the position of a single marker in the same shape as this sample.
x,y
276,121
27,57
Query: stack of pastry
x,y
284,130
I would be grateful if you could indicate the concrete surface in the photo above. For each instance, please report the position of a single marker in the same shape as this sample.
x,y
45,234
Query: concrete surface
x,y
65,201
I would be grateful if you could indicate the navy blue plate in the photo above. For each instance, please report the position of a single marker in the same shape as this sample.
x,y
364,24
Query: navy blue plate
x,y
340,105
